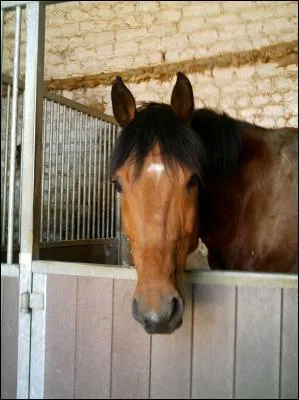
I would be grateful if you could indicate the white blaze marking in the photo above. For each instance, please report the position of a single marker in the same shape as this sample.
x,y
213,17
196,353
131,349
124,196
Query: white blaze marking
x,y
157,168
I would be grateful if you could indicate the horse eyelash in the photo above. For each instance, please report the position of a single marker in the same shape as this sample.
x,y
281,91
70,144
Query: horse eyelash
x,y
117,185
192,182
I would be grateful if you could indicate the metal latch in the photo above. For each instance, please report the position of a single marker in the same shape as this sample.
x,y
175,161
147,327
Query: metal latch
x,y
33,300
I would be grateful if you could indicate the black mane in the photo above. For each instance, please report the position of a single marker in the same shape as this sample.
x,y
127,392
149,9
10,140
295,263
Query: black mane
x,y
158,124
211,145
220,135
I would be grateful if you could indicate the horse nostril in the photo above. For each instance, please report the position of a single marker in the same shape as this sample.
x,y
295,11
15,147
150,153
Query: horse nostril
x,y
174,302
177,308
134,305
135,310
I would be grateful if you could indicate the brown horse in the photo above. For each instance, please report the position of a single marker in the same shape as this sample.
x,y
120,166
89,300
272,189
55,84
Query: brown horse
x,y
185,174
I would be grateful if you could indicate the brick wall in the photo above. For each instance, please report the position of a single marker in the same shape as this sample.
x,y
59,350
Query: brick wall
x,y
95,37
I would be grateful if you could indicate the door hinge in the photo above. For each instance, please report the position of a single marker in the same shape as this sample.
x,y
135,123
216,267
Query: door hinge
x,y
31,301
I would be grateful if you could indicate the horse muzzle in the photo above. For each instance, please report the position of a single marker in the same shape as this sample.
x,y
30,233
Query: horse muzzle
x,y
166,317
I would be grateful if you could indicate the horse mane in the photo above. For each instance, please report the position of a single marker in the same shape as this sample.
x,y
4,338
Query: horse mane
x,y
221,138
157,123
211,145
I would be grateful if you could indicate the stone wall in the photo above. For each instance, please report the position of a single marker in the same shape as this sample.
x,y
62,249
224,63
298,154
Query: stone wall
x,y
261,93
92,39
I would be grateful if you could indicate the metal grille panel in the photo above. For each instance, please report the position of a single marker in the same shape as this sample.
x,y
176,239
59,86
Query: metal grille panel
x,y
78,201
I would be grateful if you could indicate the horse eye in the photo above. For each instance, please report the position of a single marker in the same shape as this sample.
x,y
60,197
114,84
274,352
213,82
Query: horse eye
x,y
193,181
117,185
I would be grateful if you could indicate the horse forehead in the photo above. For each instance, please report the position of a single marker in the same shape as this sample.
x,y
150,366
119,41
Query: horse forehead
x,y
157,168
154,167
155,171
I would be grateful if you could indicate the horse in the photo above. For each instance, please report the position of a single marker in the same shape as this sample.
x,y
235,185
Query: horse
x,y
186,173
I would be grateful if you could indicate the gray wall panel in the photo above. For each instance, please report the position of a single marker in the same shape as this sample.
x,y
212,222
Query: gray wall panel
x,y
9,337
60,337
171,359
258,343
93,341
130,348
213,342
2,289
289,345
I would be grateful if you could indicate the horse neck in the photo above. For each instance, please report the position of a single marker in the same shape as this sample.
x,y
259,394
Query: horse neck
x,y
222,198
247,218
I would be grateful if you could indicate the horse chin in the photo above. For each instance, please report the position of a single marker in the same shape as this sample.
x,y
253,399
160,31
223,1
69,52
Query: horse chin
x,y
163,330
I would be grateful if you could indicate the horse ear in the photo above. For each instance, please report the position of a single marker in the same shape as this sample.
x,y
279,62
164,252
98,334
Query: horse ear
x,y
182,100
123,103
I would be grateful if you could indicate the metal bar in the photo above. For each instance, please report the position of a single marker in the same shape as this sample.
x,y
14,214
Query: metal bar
x,y
79,179
74,178
18,193
30,185
38,333
13,137
104,182
5,166
71,243
2,35
68,176
56,167
108,184
118,222
194,277
84,181
43,170
62,174
89,179
50,172
112,232
12,270
9,81
118,228
6,5
9,5
243,278
12,4
17,209
79,107
99,177
94,177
